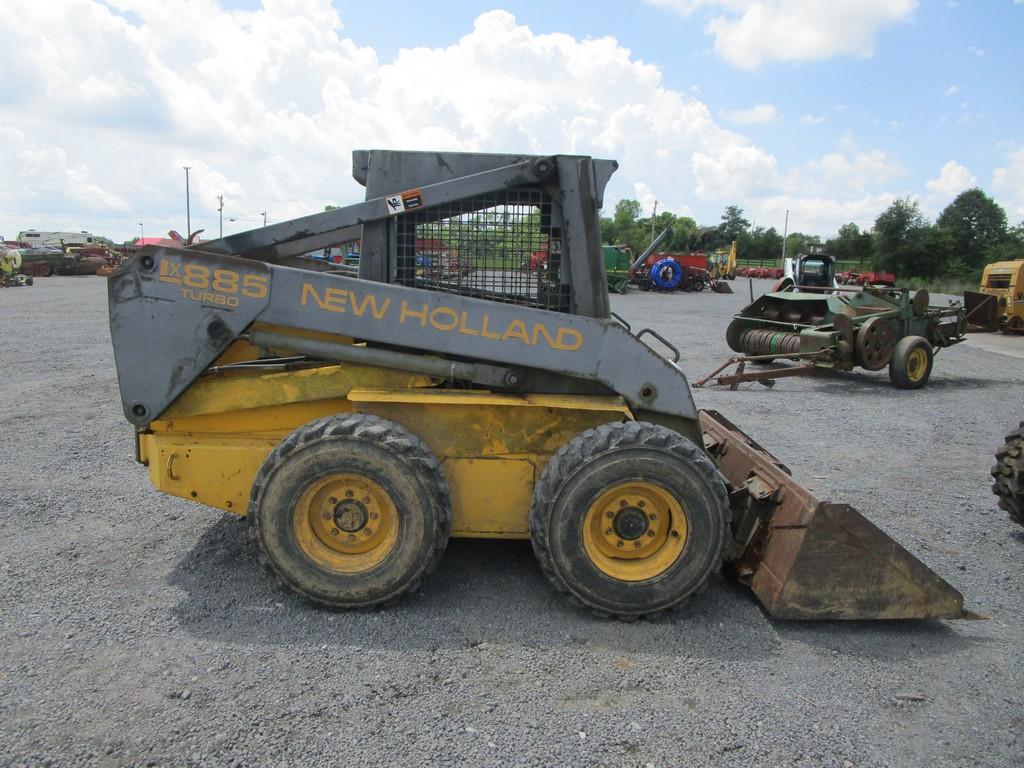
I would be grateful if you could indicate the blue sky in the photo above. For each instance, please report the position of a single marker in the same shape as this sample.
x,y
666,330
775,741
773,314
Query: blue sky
x,y
830,110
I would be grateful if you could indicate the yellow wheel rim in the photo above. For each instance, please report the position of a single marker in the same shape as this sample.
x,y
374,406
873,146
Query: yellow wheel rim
x,y
917,364
345,523
634,531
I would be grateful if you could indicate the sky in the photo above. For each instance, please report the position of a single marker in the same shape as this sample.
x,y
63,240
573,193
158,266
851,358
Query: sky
x,y
828,110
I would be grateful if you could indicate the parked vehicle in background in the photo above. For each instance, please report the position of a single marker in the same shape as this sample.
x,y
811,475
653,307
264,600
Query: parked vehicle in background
x,y
34,238
10,263
999,303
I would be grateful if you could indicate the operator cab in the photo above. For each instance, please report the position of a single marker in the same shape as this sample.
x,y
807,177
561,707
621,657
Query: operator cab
x,y
816,270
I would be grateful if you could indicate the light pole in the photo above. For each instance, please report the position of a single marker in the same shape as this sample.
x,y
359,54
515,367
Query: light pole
x,y
220,212
653,214
188,210
142,231
264,215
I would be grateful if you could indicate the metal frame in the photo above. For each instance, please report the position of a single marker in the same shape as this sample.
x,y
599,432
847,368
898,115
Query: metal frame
x,y
158,294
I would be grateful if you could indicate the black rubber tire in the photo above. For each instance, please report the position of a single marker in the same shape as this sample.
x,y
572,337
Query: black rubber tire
x,y
1008,475
900,360
598,459
376,448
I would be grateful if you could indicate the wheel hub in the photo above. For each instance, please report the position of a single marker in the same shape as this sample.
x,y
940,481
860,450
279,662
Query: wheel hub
x,y
351,515
630,523
347,523
634,530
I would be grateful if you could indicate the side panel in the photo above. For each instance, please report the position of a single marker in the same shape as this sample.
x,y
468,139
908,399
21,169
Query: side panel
x,y
492,447
214,439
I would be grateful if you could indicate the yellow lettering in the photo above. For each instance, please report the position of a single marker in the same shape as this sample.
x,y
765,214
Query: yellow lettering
x,y
539,329
333,299
170,272
406,312
196,276
437,315
369,300
483,329
516,330
562,341
464,329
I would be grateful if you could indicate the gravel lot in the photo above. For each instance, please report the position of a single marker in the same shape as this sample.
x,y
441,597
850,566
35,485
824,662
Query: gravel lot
x,y
137,628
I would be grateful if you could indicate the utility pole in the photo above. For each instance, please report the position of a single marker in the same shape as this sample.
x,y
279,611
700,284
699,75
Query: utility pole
x,y
264,215
785,234
653,214
220,213
143,231
188,209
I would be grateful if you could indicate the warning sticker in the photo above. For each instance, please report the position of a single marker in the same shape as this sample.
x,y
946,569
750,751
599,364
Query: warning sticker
x,y
404,201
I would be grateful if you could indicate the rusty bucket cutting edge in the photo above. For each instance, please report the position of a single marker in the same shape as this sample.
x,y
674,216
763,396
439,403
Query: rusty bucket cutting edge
x,y
808,559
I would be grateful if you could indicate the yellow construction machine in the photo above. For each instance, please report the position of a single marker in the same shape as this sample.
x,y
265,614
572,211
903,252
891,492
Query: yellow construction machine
x,y
358,422
999,302
724,263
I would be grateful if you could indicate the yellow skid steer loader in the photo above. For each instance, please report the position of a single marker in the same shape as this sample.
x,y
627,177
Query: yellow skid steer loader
x,y
360,418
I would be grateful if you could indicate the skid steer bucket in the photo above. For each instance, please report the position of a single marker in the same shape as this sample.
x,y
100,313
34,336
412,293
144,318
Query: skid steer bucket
x,y
810,559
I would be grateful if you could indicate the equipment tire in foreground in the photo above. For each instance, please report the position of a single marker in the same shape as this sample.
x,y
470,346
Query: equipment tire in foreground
x,y
629,519
911,364
1008,475
350,511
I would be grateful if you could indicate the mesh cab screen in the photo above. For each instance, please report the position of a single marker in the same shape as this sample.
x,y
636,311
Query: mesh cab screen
x,y
500,247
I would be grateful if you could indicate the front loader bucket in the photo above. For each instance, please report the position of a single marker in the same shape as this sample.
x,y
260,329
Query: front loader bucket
x,y
722,287
809,559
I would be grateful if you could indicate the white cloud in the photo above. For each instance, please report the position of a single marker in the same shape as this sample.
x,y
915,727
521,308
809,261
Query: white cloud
x,y
267,105
975,51
952,90
812,119
952,180
748,33
1008,183
761,113
851,170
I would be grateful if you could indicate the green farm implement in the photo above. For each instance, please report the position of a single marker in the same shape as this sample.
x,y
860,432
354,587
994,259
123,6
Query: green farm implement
x,y
839,330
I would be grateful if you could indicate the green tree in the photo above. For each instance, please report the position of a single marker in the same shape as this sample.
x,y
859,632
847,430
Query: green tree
x,y
798,242
733,223
904,243
850,244
976,225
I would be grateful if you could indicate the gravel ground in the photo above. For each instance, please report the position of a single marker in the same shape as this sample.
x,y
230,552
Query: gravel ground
x,y
137,628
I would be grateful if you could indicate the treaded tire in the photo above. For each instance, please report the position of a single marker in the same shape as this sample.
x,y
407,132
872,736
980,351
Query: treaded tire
x,y
898,366
597,460
367,446
1008,475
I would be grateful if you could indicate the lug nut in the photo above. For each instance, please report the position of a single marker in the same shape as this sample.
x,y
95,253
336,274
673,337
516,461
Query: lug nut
x,y
373,515
675,534
327,515
652,517
636,545
335,531
650,533
349,494
366,499
368,531
641,504
620,545
332,500
608,531
351,537
609,513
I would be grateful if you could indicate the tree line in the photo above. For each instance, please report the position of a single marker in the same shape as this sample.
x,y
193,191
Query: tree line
x,y
971,232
